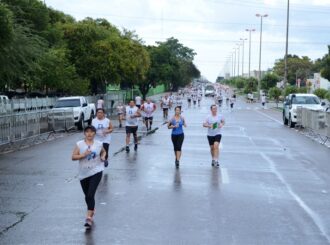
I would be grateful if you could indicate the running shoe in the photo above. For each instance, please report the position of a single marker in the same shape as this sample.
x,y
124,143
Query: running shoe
x,y
217,164
88,223
120,125
106,163
135,147
127,148
177,163
213,163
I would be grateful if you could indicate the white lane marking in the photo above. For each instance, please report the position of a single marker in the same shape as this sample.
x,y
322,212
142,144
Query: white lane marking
x,y
271,118
310,212
224,176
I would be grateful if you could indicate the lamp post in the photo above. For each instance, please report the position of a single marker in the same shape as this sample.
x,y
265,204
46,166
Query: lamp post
x,y
259,75
243,40
238,48
234,62
286,46
250,31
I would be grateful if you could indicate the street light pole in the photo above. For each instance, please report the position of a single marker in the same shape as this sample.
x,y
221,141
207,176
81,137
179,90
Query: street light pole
x,y
259,75
286,46
235,62
238,59
232,64
250,30
243,40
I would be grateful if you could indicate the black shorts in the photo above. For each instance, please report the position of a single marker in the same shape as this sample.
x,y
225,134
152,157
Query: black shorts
x,y
189,100
263,103
165,109
138,106
131,129
213,139
148,118
177,141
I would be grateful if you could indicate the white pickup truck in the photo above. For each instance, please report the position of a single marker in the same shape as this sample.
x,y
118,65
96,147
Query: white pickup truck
x,y
293,101
82,111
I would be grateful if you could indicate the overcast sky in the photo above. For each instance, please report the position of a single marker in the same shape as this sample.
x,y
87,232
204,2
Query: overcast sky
x,y
213,27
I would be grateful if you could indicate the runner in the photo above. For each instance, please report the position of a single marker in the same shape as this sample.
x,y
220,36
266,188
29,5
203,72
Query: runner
x,y
232,101
263,101
138,101
120,113
104,129
176,124
199,97
179,101
132,113
91,155
100,103
189,99
165,104
194,98
214,123
148,108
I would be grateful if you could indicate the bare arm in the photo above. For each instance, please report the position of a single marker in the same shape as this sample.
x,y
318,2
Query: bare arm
x,y
103,154
206,125
77,156
222,123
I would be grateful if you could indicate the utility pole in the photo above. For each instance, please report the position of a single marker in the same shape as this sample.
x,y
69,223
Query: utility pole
x,y
238,59
235,62
243,40
259,75
286,46
250,30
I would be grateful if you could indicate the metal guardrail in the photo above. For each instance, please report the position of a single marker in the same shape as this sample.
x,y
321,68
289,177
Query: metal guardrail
x,y
111,99
314,121
21,126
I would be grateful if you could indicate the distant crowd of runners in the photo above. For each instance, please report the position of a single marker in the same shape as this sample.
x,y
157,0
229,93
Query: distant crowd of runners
x,y
92,151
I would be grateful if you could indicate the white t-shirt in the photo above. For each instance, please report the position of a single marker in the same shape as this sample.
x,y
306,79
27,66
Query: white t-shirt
x,y
100,126
130,120
91,164
120,109
179,100
263,99
148,109
166,103
100,104
138,100
214,121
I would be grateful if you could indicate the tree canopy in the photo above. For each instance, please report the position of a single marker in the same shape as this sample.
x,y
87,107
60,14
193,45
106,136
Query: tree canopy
x,y
48,50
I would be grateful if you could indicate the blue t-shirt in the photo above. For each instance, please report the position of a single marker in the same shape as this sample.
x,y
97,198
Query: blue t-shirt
x,y
178,130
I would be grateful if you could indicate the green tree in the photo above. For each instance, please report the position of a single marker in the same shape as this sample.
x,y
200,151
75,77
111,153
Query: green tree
x,y
240,83
320,92
327,96
251,85
290,90
58,74
325,71
6,25
275,93
269,80
297,68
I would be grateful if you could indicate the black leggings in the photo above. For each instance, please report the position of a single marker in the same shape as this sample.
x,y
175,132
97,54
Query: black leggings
x,y
106,148
89,186
177,141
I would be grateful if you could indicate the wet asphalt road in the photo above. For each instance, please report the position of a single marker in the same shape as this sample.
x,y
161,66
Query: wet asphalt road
x,y
273,187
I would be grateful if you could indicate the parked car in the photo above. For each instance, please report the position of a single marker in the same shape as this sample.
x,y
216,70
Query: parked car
x,y
82,111
293,101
